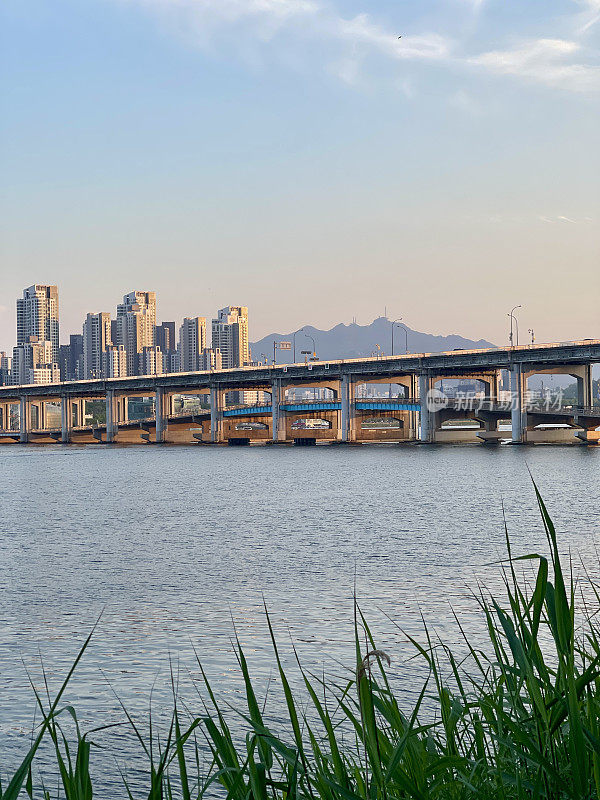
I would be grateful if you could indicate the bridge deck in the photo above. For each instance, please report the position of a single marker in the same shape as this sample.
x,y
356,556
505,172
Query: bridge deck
x,y
443,364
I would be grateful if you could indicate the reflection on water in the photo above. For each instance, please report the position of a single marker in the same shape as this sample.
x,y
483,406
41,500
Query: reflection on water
x,y
175,542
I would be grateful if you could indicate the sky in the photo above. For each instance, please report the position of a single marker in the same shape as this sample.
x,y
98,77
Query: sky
x,y
298,157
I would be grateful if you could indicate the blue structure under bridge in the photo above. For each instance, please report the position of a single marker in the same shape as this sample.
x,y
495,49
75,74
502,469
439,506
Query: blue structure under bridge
x,y
381,404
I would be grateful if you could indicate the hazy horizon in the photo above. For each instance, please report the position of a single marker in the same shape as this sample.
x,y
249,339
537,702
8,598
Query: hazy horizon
x,y
297,157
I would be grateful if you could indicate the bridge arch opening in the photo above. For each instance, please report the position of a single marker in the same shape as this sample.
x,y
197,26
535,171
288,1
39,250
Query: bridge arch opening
x,y
311,424
298,394
381,424
464,387
554,389
390,390
251,426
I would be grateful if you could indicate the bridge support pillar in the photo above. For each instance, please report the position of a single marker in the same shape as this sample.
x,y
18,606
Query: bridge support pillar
x,y
162,404
4,416
278,416
24,419
41,415
122,409
517,414
425,416
112,416
66,419
79,410
585,386
217,404
347,428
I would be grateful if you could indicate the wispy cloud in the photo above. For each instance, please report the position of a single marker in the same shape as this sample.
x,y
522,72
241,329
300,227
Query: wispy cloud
x,y
590,14
264,20
291,25
548,61
561,219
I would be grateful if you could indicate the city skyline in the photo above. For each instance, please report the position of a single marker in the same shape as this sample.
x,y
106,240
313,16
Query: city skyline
x,y
277,151
132,343
179,319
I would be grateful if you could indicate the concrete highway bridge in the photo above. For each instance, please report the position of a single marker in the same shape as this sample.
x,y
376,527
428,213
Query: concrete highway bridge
x,y
416,409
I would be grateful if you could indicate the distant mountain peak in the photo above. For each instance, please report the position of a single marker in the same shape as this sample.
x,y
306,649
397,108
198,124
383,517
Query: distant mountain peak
x,y
355,341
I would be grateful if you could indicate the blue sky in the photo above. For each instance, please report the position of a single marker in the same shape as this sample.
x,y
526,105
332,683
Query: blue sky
x,y
297,157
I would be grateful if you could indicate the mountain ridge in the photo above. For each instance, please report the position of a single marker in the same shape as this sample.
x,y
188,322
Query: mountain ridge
x,y
356,341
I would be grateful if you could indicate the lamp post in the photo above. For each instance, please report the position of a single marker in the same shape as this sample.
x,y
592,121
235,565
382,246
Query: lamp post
x,y
393,323
308,336
405,338
294,341
514,319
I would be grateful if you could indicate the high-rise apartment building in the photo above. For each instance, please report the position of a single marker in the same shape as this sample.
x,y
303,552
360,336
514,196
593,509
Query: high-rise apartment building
x,y
96,338
210,359
165,336
136,326
70,358
192,341
151,361
165,339
32,363
37,315
230,336
5,369
115,361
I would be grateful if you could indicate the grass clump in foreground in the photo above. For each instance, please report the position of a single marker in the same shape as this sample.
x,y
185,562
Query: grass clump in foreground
x,y
516,719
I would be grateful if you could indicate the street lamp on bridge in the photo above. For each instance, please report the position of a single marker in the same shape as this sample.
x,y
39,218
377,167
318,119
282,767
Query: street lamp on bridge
x,y
393,323
294,342
314,350
511,314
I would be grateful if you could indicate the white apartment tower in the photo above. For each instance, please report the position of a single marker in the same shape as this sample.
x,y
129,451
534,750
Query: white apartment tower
x,y
96,339
230,336
210,359
135,327
37,315
32,363
192,342
115,364
151,361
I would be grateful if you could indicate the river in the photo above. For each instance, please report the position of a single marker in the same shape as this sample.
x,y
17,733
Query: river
x,y
173,546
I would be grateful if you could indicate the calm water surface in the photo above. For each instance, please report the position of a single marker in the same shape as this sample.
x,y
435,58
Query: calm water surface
x,y
178,544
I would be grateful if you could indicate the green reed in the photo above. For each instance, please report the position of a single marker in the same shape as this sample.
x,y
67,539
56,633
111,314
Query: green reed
x,y
517,718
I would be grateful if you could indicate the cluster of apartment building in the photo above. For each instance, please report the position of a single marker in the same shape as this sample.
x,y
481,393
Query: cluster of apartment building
x,y
131,343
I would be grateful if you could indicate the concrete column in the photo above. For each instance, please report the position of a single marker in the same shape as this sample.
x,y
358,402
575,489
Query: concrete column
x,y
112,417
79,406
348,410
66,419
425,415
41,415
160,405
344,428
585,387
278,416
24,419
4,417
495,385
517,392
217,403
122,409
